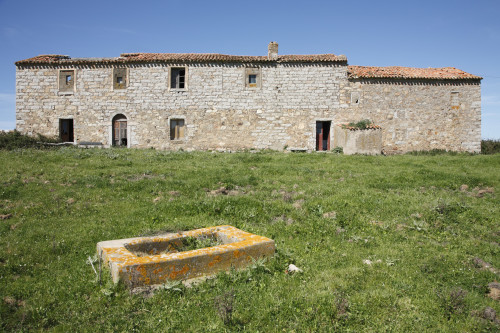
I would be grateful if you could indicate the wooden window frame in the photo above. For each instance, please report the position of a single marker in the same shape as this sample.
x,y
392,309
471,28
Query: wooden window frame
x,y
171,71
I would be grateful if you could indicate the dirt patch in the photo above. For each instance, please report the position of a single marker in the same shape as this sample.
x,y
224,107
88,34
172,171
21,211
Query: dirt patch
x,y
284,218
488,314
377,223
494,291
330,215
11,301
483,265
298,204
5,216
477,192
287,196
143,176
480,192
223,190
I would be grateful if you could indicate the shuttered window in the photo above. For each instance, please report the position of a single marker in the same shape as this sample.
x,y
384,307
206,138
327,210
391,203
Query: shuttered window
x,y
176,129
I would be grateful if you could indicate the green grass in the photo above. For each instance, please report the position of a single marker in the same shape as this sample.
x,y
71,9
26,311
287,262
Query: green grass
x,y
406,214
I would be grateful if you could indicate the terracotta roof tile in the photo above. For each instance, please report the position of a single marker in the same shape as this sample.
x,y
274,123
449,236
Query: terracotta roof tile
x,y
180,57
397,72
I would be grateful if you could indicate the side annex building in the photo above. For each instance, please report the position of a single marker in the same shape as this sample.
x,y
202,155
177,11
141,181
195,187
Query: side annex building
x,y
224,102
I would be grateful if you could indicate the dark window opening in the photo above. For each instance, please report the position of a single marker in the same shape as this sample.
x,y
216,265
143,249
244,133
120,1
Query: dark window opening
x,y
252,77
66,130
178,78
119,80
252,80
323,135
176,129
120,130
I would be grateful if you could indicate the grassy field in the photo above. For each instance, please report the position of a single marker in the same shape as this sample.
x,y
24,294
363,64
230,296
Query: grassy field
x,y
398,243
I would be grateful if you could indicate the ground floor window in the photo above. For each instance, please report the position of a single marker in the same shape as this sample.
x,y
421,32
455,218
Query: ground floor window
x,y
66,130
119,130
176,129
323,135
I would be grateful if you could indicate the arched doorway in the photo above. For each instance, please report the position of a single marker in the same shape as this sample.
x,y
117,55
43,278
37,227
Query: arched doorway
x,y
120,130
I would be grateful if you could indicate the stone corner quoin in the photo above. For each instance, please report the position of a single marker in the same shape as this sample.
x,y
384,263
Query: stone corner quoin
x,y
214,101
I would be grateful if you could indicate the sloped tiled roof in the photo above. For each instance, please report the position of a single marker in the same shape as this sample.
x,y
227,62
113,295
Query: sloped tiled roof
x,y
180,57
397,72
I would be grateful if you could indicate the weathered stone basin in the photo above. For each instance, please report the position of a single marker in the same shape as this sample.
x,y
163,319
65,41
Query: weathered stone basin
x,y
144,261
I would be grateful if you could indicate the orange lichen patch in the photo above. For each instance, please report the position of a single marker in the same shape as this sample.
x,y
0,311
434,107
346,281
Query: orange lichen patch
x,y
216,260
174,274
146,260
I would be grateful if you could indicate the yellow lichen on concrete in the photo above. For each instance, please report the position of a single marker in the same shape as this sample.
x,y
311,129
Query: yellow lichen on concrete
x,y
238,250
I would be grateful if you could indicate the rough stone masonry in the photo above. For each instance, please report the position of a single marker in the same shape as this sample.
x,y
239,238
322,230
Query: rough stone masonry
x,y
225,102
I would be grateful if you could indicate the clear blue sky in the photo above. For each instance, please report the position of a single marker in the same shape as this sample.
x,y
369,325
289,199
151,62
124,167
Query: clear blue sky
x,y
437,33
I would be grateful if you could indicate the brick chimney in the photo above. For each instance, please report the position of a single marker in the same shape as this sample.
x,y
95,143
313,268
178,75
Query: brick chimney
x,y
272,51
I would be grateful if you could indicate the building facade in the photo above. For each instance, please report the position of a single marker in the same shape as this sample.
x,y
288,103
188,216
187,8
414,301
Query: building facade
x,y
225,102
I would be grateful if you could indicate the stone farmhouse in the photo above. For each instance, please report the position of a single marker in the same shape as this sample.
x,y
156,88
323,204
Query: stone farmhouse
x,y
226,102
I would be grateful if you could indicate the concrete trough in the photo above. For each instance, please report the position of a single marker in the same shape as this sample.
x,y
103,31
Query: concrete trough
x,y
145,261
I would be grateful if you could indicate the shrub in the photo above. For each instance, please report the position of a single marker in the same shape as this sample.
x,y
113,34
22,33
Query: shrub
x,y
490,147
14,140
362,124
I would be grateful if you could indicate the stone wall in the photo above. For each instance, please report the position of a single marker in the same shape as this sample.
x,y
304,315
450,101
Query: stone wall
x,y
419,114
221,112
368,141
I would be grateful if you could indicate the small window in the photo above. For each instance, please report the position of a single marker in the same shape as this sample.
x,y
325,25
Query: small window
x,y
178,78
119,78
67,80
252,78
176,129
455,100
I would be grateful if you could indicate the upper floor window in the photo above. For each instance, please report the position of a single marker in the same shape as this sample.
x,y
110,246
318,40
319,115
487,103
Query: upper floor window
x,y
120,78
178,78
67,80
252,77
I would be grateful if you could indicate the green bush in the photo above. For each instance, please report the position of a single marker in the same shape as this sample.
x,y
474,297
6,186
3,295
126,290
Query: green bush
x,y
14,140
362,124
490,147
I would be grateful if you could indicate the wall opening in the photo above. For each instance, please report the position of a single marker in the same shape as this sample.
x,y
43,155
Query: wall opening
x,y
120,130
176,129
66,130
323,135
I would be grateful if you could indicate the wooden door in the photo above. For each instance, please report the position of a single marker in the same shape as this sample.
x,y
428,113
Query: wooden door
x,y
120,131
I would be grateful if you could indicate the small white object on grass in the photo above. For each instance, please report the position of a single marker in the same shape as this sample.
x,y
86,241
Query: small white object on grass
x,y
294,269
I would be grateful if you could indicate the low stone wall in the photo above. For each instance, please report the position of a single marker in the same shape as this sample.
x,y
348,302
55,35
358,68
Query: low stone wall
x,y
368,141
